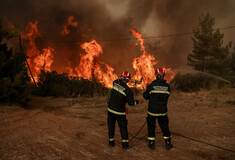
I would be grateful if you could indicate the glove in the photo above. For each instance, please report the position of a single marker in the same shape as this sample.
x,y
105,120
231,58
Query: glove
x,y
126,110
136,102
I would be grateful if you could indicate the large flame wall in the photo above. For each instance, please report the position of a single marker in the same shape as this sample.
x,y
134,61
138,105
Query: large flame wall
x,y
90,66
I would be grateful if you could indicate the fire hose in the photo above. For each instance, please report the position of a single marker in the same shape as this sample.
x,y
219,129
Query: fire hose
x,y
175,134
134,137
182,136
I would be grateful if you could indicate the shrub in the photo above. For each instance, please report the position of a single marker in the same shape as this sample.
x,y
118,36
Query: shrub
x,y
232,102
14,80
195,82
54,84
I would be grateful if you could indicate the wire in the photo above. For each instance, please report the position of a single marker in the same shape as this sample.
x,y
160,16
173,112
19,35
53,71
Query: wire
x,y
138,131
128,38
180,135
192,139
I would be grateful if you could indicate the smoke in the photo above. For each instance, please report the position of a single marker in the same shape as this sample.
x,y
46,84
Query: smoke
x,y
168,17
108,20
182,16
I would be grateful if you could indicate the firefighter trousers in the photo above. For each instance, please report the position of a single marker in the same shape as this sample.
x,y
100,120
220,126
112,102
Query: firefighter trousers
x,y
122,122
163,122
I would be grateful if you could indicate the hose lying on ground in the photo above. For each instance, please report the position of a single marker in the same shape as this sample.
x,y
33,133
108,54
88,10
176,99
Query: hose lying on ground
x,y
179,135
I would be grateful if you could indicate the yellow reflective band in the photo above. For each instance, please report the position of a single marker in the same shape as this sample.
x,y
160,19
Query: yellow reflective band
x,y
151,138
157,91
119,90
157,114
166,137
135,103
125,140
115,112
111,139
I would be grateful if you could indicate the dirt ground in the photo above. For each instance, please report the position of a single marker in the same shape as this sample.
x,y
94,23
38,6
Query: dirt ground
x,y
60,128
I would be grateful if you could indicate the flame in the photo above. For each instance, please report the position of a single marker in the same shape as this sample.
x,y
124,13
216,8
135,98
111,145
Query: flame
x,y
169,74
70,70
70,22
11,26
44,60
90,67
144,65
37,61
105,76
86,67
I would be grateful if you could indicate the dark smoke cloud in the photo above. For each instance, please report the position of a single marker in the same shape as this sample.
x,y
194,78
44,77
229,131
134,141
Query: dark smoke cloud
x,y
96,22
182,16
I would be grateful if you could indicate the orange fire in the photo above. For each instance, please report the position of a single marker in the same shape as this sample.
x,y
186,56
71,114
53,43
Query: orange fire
x,y
70,22
169,74
11,26
91,67
37,61
44,60
144,65
105,74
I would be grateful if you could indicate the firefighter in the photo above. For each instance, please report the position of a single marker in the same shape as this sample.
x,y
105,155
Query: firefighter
x,y
119,96
158,93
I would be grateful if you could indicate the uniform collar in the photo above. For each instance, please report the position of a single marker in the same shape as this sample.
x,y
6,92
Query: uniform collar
x,y
160,80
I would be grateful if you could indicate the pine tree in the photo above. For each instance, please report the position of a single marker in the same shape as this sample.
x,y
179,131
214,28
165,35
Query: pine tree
x,y
14,79
208,54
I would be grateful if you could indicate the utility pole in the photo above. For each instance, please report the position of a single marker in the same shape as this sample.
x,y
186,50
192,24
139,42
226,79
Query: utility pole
x,y
21,50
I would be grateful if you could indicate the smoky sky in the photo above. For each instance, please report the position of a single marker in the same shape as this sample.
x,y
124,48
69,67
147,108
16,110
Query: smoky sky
x,y
96,20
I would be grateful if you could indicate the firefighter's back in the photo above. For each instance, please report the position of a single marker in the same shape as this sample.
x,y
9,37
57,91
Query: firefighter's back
x,y
158,92
117,99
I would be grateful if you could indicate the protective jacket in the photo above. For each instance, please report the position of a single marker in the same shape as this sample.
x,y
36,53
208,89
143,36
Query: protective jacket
x,y
158,93
119,96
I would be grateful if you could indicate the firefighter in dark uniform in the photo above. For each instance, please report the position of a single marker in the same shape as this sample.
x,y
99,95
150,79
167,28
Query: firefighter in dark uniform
x,y
119,96
158,93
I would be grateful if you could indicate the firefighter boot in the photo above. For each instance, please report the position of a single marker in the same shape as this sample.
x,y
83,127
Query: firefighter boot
x,y
112,143
168,143
151,144
125,145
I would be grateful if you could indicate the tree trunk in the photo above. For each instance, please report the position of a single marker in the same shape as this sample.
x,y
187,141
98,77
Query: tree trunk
x,y
203,62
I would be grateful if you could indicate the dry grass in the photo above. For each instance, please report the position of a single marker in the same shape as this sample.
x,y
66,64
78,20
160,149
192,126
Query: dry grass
x,y
62,128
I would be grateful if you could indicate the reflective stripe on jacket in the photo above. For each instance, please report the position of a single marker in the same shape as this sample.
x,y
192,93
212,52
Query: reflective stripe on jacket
x,y
119,96
115,112
157,93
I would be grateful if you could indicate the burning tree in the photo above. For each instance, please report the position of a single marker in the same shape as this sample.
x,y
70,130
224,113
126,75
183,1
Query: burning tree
x,y
37,61
208,53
